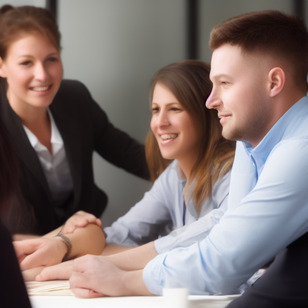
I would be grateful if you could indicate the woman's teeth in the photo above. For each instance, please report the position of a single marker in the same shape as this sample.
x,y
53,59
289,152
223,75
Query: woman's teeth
x,y
168,136
40,89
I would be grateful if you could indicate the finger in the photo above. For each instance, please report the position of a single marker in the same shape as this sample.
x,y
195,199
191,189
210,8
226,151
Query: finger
x,y
67,228
98,222
85,293
25,247
31,261
59,271
74,223
40,257
21,237
79,220
30,274
78,281
81,287
84,219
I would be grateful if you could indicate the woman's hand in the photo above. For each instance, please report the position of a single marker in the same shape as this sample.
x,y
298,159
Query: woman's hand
x,y
79,220
30,274
40,252
49,249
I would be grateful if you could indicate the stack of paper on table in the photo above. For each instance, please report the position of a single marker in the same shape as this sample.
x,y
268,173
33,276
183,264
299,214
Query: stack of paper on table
x,y
55,287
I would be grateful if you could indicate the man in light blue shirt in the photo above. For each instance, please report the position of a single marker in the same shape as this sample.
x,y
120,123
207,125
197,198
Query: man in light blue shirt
x,y
259,223
259,74
259,92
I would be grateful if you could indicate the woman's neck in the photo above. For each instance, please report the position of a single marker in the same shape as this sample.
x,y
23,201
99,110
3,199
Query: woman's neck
x,y
38,122
186,167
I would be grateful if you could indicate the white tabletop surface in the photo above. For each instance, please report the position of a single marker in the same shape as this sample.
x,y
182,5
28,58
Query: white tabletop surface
x,y
57,294
125,302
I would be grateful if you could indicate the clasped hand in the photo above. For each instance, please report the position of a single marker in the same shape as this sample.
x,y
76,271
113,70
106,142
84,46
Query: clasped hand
x,y
50,249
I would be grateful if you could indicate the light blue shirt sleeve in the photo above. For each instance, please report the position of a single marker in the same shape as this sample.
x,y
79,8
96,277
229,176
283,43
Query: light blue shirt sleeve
x,y
150,217
200,228
159,215
272,215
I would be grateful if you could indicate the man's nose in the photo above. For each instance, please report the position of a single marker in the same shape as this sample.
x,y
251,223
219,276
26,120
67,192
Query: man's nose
x,y
213,101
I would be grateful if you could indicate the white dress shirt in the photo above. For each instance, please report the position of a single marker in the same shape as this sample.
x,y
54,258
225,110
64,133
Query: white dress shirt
x,y
55,165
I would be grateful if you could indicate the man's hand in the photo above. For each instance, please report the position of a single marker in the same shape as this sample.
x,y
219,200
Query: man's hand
x,y
62,271
94,276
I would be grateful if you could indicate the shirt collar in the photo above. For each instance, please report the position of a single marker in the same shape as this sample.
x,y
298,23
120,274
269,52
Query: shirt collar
x,y
187,192
282,127
56,139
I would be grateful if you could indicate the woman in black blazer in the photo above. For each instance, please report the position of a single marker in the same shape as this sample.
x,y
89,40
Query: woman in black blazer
x,y
39,109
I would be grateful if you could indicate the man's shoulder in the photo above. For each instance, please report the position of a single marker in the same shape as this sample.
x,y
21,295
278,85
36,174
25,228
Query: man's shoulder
x,y
297,146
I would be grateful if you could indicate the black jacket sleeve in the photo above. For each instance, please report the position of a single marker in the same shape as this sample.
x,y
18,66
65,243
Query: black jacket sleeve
x,y
13,292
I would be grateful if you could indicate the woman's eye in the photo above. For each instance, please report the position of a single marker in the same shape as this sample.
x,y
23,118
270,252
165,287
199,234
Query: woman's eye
x,y
154,110
25,63
175,109
53,59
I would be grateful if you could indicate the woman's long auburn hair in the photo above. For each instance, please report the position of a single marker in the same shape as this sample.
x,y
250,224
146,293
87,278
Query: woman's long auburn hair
x,y
189,82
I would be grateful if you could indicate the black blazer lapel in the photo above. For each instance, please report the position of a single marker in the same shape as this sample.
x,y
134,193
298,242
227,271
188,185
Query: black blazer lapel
x,y
72,147
21,143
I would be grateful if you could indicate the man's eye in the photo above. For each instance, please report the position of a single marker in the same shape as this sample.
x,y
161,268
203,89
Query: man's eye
x,y
225,83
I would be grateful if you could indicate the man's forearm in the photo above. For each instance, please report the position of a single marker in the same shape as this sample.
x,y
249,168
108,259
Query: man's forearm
x,y
132,284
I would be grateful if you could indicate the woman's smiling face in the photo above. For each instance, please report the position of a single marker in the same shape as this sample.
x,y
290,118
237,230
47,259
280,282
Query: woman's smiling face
x,y
173,127
33,70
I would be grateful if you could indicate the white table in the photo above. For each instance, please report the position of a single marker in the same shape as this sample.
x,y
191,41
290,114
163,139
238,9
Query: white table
x,y
125,302
58,295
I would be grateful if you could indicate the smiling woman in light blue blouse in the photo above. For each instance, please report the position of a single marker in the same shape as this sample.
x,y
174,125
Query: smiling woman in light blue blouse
x,y
190,195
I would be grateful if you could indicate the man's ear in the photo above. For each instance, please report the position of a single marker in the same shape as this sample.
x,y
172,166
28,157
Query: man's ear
x,y
277,79
2,70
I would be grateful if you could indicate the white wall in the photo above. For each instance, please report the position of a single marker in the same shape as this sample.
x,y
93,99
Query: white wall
x,y
41,3
213,12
